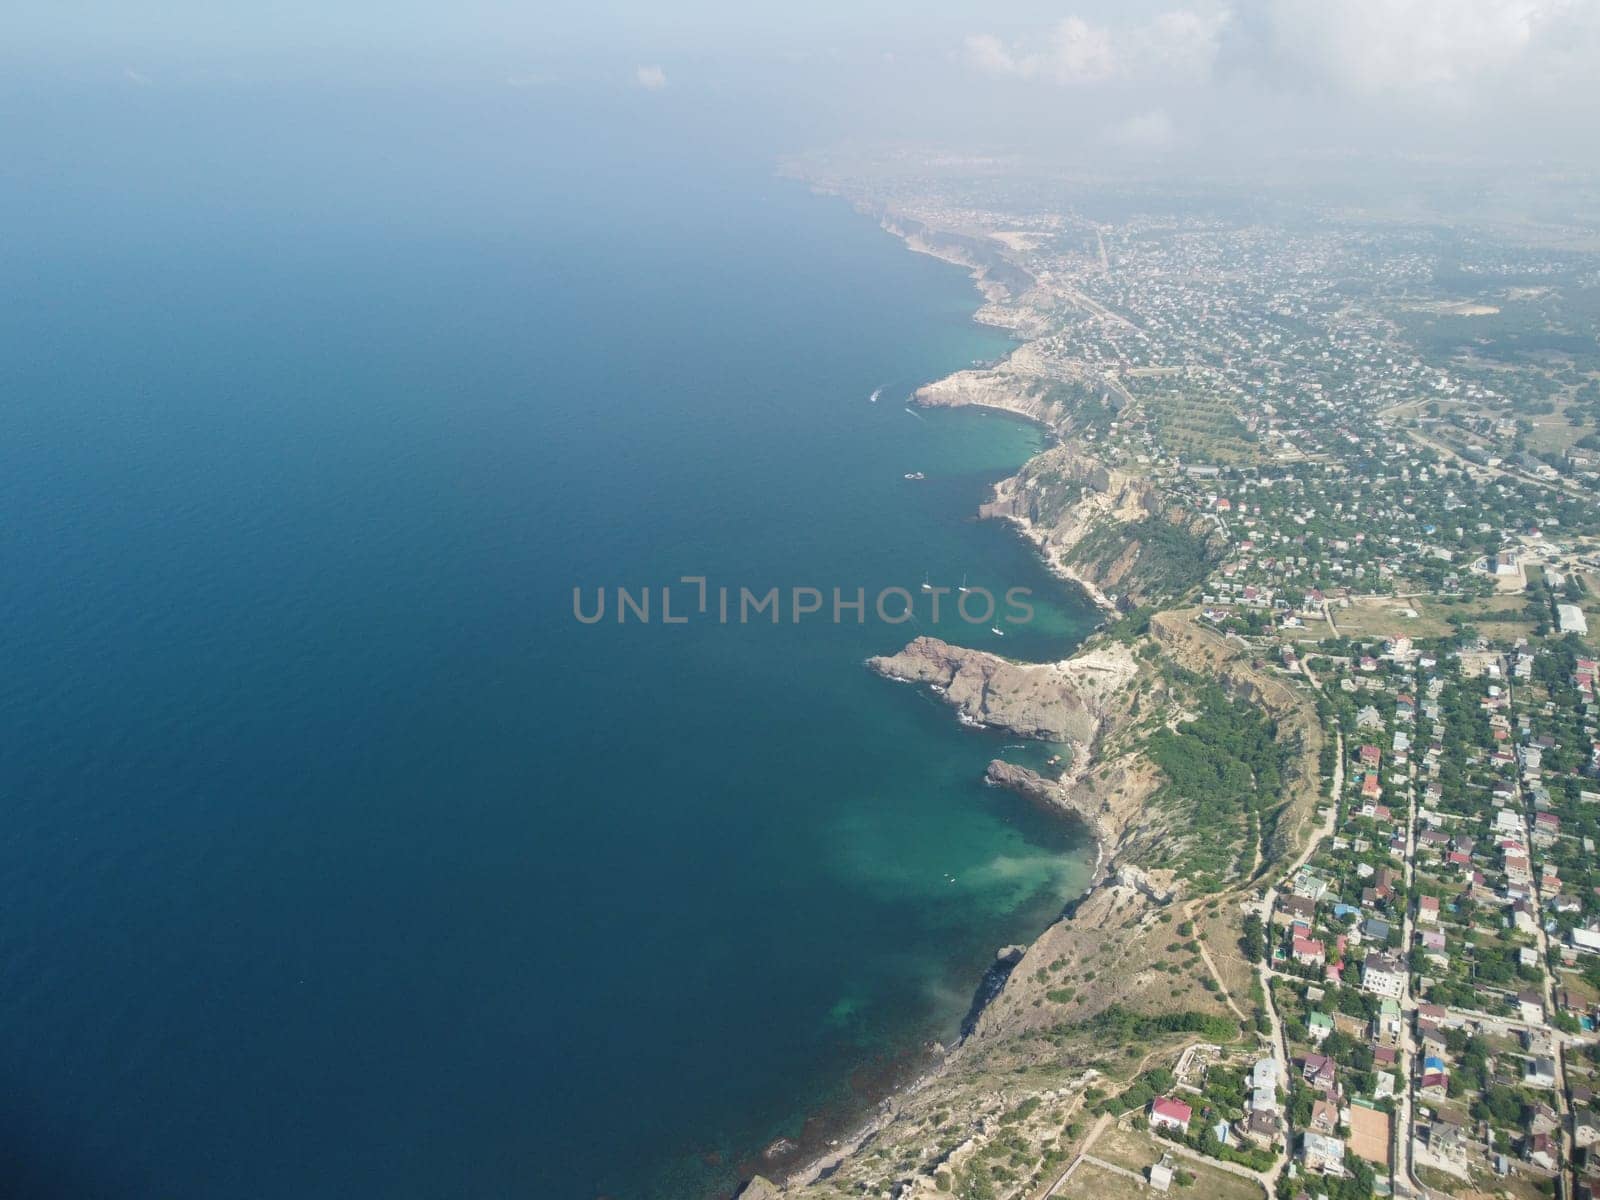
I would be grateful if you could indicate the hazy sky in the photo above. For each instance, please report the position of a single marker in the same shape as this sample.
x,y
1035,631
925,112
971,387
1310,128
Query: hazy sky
x,y
1140,80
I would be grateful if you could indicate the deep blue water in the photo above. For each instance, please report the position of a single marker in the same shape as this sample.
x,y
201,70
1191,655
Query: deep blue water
x,y
337,857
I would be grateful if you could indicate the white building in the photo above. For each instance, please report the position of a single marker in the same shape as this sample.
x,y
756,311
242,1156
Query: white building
x,y
1322,1153
1571,619
1383,976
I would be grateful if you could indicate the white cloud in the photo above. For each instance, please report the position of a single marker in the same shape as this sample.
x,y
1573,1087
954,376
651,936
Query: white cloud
x,y
1180,43
1440,49
1147,132
1080,53
1370,47
988,53
137,78
651,78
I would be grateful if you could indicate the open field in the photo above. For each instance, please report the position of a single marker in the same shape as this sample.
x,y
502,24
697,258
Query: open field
x,y
1484,1186
1502,617
1220,931
1127,1148
1091,1182
1368,617
1135,1151
1553,432
1385,616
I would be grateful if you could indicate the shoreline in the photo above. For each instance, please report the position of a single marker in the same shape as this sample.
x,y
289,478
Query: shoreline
x,y
1104,866
1024,528
1029,533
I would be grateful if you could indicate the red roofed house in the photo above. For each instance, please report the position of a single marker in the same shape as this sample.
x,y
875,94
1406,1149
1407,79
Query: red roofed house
x,y
1309,952
1167,1113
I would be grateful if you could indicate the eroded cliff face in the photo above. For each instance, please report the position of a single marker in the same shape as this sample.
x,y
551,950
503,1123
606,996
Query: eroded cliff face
x,y
1060,702
1111,802
1109,529
1010,292
1026,383
1062,492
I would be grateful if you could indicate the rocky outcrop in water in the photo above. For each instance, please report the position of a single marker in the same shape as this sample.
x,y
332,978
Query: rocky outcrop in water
x,y
1060,702
1090,804
759,1188
1025,783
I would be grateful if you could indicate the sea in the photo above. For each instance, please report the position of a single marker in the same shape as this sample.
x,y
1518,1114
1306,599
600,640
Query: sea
x,y
338,857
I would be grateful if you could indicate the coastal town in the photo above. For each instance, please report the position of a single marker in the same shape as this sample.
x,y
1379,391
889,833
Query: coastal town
x,y
1351,469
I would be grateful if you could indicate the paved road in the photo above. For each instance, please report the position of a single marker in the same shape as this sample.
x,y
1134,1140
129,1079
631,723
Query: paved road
x,y
1403,1166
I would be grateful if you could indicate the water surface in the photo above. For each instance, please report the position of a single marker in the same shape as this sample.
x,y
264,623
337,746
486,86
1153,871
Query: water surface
x,y
339,859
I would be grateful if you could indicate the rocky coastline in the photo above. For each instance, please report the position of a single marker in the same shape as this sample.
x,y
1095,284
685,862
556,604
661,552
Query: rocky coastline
x,y
1066,701
1073,701
1091,523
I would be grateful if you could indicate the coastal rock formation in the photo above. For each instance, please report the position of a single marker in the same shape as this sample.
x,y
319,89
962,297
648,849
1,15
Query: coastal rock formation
x,y
1025,383
1107,528
1054,795
1030,1037
1033,1042
759,1188
1025,783
1065,491
1065,701
996,276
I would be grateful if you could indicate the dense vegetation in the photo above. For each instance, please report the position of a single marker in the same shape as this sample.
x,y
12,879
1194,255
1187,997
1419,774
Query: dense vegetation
x,y
1224,772
1118,1025
1171,559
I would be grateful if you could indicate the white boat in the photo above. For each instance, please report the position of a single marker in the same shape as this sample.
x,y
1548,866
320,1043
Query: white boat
x,y
915,475
926,586
997,631
963,586
873,399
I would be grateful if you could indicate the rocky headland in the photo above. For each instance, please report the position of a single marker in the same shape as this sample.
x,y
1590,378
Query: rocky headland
x,y
1067,701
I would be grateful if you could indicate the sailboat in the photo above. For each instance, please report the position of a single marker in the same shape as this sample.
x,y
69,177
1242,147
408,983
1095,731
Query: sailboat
x,y
963,586
926,586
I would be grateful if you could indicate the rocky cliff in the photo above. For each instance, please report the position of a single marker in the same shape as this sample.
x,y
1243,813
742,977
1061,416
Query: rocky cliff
x,y
1068,399
1062,702
1005,284
1109,529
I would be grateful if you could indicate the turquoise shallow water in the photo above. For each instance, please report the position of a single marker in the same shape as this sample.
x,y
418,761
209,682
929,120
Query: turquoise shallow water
x,y
339,859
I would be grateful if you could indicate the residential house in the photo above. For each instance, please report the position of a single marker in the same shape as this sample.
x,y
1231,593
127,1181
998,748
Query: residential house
x,y
1321,1153
1383,975
1168,1113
